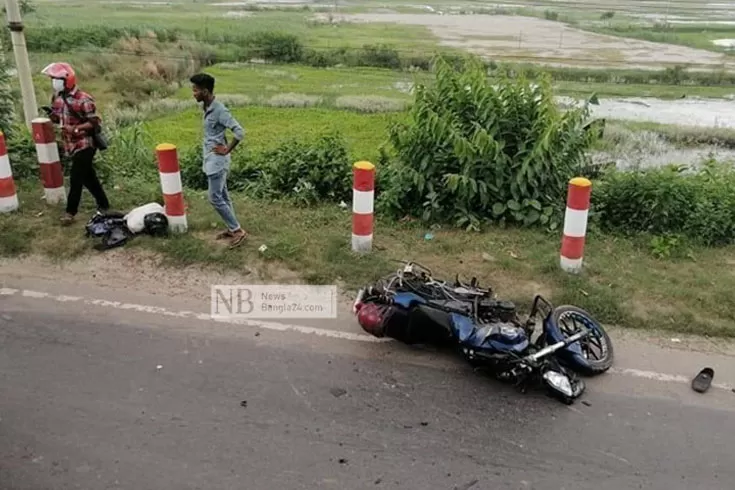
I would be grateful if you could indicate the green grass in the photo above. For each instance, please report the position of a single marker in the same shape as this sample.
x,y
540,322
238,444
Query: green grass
x,y
622,283
263,81
692,35
206,21
267,127
637,90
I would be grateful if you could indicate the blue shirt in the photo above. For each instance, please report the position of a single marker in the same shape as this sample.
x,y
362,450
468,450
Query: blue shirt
x,y
217,119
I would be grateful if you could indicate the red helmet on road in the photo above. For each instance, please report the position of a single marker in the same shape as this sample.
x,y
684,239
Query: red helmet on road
x,y
373,317
64,71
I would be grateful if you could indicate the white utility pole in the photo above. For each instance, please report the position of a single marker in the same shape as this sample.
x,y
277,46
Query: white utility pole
x,y
22,64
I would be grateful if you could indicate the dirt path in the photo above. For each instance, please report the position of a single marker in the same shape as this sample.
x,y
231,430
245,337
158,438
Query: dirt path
x,y
140,272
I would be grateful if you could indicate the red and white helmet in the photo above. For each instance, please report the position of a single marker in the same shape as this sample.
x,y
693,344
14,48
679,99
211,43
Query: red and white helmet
x,y
64,71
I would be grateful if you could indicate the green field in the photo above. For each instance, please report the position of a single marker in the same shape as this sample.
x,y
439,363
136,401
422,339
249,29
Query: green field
x,y
262,82
267,127
638,281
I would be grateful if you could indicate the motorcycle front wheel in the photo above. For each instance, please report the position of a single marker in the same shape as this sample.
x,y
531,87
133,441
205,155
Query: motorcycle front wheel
x,y
590,356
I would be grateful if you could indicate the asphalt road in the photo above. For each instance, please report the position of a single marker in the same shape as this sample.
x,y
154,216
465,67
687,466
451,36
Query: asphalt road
x,y
100,399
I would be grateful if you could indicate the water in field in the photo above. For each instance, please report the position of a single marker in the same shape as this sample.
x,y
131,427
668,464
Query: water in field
x,y
705,113
647,149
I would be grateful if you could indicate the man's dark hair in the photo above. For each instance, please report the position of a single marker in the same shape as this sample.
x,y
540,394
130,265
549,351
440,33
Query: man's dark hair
x,y
202,80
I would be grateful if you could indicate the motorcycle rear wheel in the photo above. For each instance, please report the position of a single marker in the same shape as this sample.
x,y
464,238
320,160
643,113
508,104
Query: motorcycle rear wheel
x,y
598,354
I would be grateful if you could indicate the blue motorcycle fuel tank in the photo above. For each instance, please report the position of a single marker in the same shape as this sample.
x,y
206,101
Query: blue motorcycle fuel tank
x,y
493,337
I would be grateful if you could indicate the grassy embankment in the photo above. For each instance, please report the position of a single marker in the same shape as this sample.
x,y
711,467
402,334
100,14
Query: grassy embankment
x,y
624,281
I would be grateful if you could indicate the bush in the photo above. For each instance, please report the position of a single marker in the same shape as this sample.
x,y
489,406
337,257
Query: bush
x,y
304,171
7,99
379,56
471,151
58,39
308,171
275,47
669,201
129,156
22,153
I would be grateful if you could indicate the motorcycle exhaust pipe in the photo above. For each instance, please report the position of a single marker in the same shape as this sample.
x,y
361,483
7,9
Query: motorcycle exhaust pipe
x,y
555,347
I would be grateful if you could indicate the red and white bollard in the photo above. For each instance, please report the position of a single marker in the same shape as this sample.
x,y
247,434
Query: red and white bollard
x,y
49,161
173,195
575,224
8,195
363,195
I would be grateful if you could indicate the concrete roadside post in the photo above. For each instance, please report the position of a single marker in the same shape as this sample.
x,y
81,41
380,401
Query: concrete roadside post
x,y
575,224
173,195
363,195
49,161
8,194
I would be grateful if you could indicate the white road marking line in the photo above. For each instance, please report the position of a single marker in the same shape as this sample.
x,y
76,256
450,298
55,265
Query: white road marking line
x,y
672,378
156,310
282,327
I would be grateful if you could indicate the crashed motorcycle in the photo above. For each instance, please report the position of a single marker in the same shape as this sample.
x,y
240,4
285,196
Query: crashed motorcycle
x,y
413,307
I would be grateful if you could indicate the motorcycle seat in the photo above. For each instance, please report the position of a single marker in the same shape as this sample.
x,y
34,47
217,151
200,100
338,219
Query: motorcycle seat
x,y
460,307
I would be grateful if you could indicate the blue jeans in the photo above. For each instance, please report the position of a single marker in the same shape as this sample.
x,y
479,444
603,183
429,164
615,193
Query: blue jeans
x,y
220,199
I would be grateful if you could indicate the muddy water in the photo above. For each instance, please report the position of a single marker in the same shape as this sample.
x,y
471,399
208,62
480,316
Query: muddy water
x,y
706,113
645,149
638,153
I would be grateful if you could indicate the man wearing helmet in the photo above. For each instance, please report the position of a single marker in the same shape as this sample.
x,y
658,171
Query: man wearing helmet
x,y
75,111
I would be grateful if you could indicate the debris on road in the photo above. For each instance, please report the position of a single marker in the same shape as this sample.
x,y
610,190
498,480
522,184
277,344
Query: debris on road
x,y
703,380
467,486
337,392
244,404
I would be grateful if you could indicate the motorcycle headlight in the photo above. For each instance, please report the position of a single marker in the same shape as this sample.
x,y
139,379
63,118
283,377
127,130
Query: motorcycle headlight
x,y
559,382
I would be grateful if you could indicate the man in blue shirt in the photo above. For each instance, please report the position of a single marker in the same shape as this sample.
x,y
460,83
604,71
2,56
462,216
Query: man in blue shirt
x,y
216,153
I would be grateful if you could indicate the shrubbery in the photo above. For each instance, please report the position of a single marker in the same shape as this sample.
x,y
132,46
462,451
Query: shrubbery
x,y
305,172
472,152
669,201
58,39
